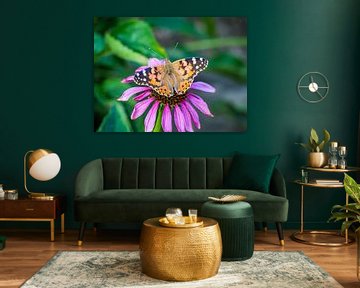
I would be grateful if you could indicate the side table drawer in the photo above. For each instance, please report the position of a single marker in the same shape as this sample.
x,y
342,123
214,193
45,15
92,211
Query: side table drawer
x,y
31,209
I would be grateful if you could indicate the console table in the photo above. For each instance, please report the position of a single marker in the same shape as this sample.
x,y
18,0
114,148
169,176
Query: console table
x,y
297,235
27,209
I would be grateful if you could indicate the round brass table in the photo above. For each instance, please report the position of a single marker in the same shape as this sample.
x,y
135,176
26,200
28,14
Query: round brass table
x,y
180,254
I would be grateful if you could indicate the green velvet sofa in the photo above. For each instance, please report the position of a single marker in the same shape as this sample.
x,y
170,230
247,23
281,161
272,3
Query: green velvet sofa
x,y
130,190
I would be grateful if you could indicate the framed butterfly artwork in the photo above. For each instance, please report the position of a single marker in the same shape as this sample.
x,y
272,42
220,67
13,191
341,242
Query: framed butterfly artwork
x,y
170,74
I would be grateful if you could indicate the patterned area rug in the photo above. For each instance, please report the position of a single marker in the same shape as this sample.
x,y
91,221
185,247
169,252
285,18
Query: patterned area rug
x,y
122,269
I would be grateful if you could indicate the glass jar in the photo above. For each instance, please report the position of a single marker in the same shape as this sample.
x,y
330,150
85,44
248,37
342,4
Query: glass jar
x,y
11,194
2,192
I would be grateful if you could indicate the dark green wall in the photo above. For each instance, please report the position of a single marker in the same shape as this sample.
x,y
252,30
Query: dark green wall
x,y
46,87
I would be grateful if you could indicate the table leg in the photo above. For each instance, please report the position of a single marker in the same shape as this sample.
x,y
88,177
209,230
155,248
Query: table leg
x,y
346,230
52,230
302,210
63,223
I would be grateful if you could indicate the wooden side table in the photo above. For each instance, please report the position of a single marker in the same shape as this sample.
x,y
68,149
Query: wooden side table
x,y
26,209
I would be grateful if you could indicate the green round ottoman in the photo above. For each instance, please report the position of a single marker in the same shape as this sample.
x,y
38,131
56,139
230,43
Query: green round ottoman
x,y
236,221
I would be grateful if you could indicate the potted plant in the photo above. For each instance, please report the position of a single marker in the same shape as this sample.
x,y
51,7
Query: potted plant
x,y
350,214
317,157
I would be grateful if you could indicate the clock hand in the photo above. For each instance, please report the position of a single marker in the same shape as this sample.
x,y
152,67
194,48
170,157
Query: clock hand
x,y
321,96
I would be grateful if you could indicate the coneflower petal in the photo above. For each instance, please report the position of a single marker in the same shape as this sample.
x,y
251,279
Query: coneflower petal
x,y
128,79
166,119
202,86
179,119
151,117
141,68
132,91
155,62
140,108
142,96
193,113
187,118
200,104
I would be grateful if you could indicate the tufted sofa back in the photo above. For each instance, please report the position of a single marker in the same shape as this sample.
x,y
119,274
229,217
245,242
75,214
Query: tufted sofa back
x,y
164,173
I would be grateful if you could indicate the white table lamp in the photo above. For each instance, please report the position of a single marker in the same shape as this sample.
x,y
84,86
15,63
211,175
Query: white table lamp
x,y
43,165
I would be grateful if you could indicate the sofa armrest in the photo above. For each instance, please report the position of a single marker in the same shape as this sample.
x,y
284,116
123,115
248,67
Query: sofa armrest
x,y
277,184
89,179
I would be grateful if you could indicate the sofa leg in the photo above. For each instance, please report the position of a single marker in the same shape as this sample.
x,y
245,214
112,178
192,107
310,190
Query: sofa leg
x,y
265,227
95,228
280,233
81,233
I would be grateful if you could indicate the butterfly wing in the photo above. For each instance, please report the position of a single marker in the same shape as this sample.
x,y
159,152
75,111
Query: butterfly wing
x,y
153,78
187,69
179,78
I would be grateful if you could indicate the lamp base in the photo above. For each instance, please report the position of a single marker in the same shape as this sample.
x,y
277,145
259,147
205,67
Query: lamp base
x,y
41,196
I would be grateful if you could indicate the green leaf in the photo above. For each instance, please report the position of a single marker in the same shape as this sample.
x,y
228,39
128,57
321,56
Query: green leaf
x,y
326,136
230,65
314,136
346,225
352,188
178,24
320,147
99,43
116,120
113,87
216,43
136,35
124,52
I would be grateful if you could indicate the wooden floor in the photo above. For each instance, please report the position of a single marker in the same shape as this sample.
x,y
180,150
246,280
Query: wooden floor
x,y
28,250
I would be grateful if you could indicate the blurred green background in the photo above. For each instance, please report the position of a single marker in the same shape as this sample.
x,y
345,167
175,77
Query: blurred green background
x,y
122,44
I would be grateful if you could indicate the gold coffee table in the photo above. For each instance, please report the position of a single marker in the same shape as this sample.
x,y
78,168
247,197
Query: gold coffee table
x,y
180,254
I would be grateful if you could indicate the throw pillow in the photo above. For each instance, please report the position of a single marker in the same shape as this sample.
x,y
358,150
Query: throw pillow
x,y
251,172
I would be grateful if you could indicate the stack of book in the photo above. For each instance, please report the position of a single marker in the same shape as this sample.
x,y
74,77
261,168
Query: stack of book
x,y
327,181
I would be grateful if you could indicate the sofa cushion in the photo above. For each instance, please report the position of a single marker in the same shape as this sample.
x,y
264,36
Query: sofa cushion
x,y
251,172
266,207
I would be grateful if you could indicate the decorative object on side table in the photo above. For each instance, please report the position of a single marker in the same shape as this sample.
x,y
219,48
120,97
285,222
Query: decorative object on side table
x,y
43,165
228,198
11,194
342,154
317,157
333,161
350,213
2,192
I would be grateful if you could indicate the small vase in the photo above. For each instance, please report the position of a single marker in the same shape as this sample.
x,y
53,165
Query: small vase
x,y
317,159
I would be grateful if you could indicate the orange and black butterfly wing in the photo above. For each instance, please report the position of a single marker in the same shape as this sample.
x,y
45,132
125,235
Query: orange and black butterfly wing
x,y
153,78
187,69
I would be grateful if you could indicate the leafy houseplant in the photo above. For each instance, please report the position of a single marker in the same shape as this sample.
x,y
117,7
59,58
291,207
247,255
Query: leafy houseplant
x,y
317,156
350,213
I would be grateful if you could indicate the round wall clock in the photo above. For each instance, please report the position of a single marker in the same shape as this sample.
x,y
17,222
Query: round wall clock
x,y
313,87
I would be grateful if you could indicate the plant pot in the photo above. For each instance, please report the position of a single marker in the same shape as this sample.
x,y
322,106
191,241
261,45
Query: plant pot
x,y
317,159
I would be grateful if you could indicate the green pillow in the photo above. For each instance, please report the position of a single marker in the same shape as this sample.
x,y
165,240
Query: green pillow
x,y
251,172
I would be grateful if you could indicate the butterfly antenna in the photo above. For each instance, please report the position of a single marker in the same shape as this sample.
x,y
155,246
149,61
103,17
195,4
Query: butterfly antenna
x,y
157,54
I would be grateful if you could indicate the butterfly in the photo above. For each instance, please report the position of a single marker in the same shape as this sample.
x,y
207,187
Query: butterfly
x,y
171,78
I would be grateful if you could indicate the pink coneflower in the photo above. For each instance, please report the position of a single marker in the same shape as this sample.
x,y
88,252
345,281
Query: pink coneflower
x,y
179,107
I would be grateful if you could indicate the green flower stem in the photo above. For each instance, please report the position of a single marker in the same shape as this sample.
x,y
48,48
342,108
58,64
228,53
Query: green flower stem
x,y
216,43
158,127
